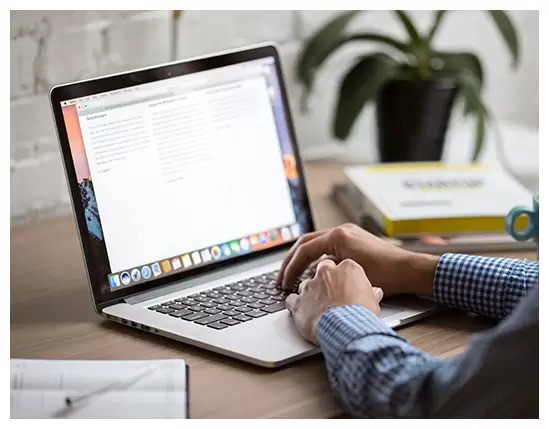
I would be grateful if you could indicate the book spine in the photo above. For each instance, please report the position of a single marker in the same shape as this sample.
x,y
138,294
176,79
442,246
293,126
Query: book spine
x,y
367,206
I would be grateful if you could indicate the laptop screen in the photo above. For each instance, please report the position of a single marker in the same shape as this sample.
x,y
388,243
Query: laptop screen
x,y
184,172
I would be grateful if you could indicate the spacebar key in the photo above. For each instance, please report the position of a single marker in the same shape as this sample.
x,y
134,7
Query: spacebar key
x,y
273,308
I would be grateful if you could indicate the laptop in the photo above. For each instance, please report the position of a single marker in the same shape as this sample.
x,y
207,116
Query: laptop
x,y
188,189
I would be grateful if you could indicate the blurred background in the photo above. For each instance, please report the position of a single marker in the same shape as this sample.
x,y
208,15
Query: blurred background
x,y
52,47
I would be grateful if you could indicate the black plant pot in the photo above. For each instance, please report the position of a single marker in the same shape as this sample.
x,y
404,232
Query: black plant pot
x,y
412,118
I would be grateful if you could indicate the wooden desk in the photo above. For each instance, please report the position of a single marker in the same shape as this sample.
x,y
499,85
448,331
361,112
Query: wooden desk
x,y
52,317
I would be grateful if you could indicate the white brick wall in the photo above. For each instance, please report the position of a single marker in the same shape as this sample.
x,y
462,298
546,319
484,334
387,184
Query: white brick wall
x,y
22,55
142,40
201,32
51,47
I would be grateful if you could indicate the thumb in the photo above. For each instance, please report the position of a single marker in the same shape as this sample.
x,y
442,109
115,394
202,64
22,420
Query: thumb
x,y
378,293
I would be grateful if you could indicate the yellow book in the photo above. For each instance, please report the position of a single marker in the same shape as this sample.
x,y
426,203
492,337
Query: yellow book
x,y
409,199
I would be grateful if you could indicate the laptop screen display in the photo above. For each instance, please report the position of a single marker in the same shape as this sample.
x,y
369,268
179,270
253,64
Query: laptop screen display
x,y
185,171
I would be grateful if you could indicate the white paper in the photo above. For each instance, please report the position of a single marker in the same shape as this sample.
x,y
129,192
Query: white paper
x,y
39,389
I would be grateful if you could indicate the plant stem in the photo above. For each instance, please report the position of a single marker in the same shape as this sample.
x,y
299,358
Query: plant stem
x,y
423,57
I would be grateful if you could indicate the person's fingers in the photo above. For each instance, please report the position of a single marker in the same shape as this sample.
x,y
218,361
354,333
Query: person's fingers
x,y
302,240
291,302
302,257
378,293
313,265
302,286
324,265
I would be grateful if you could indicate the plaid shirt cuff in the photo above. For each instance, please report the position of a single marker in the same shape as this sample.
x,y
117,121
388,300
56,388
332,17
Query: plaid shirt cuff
x,y
488,286
340,326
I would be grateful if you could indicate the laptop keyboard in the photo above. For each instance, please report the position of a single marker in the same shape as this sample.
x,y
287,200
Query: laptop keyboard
x,y
231,304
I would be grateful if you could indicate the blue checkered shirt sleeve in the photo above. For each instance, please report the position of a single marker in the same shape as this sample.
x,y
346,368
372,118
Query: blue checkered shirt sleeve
x,y
376,373
488,286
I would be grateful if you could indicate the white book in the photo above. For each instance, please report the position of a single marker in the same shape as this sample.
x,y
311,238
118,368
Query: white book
x,y
98,389
409,199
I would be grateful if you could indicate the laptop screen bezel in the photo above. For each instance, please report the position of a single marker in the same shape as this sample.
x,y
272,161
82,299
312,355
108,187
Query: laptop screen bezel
x,y
86,88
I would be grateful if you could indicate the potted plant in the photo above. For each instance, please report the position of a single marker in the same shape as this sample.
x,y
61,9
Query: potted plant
x,y
413,84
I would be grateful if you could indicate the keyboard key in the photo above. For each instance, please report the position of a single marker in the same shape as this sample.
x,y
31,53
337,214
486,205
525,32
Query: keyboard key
x,y
221,301
217,325
207,304
177,306
181,313
213,294
168,303
230,322
248,299
256,305
224,307
236,303
202,299
225,291
261,296
256,313
243,317
256,289
233,297
279,297
236,287
272,292
267,301
165,310
231,313
244,293
195,316
270,286
186,301
275,307
210,319
212,311
196,308
194,295
244,309
155,307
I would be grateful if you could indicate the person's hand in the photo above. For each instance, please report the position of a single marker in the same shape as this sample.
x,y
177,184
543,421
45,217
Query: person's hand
x,y
332,286
389,267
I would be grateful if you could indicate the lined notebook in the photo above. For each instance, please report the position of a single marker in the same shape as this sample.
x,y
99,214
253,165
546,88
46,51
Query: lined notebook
x,y
134,389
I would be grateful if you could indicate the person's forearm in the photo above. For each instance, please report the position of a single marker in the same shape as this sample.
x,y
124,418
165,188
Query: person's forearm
x,y
374,372
417,272
488,286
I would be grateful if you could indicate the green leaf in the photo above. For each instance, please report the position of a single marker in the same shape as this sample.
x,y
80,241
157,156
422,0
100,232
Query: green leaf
x,y
471,94
436,24
360,37
480,132
410,27
361,85
320,45
373,37
456,63
508,32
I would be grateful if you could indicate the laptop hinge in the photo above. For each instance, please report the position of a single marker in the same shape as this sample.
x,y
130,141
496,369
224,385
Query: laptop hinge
x,y
203,278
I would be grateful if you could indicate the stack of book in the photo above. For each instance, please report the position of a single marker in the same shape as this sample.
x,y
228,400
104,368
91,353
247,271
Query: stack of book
x,y
435,207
